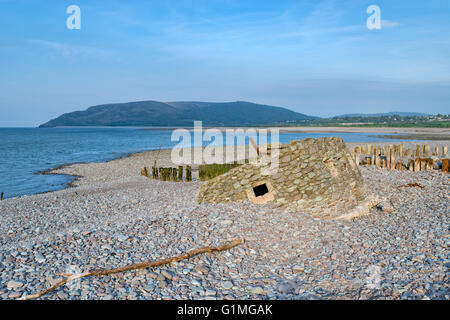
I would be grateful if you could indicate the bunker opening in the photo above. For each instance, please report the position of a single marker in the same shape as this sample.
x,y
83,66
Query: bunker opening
x,y
260,190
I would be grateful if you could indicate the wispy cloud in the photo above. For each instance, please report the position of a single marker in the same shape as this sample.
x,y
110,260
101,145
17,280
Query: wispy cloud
x,y
69,51
62,49
389,23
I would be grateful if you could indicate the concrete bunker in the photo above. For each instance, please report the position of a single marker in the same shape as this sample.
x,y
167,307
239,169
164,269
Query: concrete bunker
x,y
317,176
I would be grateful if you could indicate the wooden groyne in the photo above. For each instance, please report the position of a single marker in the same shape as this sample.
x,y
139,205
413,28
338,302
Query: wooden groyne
x,y
396,157
168,174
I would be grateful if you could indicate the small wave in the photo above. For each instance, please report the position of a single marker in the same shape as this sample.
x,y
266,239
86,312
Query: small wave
x,y
84,153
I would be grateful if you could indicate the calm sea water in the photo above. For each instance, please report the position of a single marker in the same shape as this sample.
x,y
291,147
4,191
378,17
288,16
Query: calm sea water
x,y
24,152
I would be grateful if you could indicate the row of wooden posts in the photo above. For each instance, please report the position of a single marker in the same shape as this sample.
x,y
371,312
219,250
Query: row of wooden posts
x,y
396,157
168,174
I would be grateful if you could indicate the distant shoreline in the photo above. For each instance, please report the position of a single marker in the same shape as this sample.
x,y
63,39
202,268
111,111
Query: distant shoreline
x,y
392,130
422,137
340,129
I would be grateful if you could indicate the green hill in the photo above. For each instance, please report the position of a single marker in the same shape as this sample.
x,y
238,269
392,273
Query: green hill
x,y
154,113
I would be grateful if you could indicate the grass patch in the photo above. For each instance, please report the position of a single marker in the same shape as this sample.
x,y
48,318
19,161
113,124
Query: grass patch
x,y
210,171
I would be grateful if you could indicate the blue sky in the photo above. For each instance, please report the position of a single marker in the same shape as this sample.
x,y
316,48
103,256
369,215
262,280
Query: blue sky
x,y
314,57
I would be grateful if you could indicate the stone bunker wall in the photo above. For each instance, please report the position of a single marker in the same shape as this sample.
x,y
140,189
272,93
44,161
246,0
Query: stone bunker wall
x,y
317,176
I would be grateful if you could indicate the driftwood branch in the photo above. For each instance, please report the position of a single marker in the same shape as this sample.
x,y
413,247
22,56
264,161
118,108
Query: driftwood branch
x,y
411,185
137,266
255,146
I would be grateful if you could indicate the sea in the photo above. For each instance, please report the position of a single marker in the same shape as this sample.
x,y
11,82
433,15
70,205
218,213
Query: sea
x,y
27,152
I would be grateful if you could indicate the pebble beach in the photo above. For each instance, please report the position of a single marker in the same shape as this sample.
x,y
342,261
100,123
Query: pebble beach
x,y
112,217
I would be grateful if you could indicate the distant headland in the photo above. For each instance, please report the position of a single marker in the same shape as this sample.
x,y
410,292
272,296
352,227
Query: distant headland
x,y
231,114
155,113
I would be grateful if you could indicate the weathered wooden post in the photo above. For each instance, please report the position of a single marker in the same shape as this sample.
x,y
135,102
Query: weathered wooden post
x,y
167,174
357,152
411,165
406,153
180,173
188,173
416,164
396,149
388,158
392,156
374,156
423,164
445,164
393,160
436,151
155,171
400,150
1,196
444,150
378,161
417,151
427,151
174,174
430,164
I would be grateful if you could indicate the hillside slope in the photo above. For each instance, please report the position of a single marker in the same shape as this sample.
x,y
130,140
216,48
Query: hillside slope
x,y
154,113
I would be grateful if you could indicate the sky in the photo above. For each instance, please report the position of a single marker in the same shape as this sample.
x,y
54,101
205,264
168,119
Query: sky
x,y
315,57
